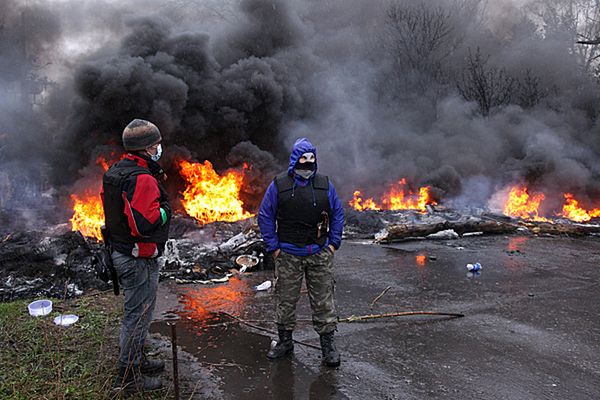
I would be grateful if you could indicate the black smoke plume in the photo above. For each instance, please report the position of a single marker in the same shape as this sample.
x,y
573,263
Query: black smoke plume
x,y
467,96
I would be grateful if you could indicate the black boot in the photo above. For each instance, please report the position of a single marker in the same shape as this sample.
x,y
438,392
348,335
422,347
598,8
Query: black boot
x,y
284,346
331,357
151,366
130,380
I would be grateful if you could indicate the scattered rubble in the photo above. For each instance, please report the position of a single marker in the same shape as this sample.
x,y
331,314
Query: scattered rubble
x,y
443,223
447,234
188,261
56,262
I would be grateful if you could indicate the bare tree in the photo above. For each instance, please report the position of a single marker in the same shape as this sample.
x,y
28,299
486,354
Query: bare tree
x,y
420,35
487,85
577,23
529,90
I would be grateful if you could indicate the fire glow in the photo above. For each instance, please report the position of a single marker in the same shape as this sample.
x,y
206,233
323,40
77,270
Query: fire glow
x,y
525,205
88,215
398,197
88,212
573,210
210,197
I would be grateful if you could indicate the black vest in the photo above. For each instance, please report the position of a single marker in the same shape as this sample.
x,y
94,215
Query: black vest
x,y
114,205
300,209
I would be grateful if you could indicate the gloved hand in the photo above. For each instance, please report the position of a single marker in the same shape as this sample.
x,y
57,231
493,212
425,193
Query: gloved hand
x,y
165,212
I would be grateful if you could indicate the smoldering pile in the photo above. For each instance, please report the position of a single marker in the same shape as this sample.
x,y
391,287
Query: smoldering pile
x,y
56,262
439,222
214,252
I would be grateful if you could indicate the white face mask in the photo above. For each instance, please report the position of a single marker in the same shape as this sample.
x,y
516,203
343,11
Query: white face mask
x,y
305,173
156,156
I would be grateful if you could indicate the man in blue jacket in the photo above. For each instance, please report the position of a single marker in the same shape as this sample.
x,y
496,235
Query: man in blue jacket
x,y
301,220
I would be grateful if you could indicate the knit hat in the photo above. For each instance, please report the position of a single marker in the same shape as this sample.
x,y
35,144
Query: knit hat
x,y
140,134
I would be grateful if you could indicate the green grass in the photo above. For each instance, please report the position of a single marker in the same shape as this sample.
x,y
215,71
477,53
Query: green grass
x,y
40,360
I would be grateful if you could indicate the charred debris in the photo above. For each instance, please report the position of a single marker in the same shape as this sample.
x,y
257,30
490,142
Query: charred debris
x,y
56,261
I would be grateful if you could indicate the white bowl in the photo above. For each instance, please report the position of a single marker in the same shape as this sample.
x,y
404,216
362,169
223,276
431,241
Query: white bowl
x,y
247,261
40,307
66,320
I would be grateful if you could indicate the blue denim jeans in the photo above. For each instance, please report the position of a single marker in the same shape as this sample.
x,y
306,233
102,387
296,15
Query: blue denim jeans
x,y
138,278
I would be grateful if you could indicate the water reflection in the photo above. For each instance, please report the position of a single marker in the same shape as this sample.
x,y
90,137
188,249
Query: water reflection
x,y
202,304
515,248
325,385
235,356
516,244
282,379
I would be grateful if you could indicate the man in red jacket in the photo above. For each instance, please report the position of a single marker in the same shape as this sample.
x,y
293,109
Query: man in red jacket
x,y
137,216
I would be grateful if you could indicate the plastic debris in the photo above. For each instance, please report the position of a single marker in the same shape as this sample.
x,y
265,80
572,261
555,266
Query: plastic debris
x,y
66,320
204,281
263,286
247,261
40,308
474,267
445,234
467,234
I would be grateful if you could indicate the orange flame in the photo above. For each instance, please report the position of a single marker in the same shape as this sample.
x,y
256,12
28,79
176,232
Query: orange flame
x,y
210,197
421,260
88,215
573,211
88,212
359,204
523,205
398,197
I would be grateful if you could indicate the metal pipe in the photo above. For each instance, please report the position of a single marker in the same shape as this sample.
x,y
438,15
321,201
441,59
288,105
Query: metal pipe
x,y
175,365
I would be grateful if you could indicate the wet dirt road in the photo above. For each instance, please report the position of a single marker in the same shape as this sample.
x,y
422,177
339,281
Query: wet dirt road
x,y
530,331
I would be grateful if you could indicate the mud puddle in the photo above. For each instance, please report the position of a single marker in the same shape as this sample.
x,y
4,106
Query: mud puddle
x,y
234,354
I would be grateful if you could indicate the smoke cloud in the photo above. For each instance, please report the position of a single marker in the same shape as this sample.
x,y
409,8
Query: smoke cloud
x,y
465,96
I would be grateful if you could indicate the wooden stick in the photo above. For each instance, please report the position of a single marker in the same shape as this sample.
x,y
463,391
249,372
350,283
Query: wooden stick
x,y
260,328
354,318
380,296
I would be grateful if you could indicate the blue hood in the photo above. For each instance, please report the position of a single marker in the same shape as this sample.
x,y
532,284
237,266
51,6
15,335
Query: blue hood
x,y
302,145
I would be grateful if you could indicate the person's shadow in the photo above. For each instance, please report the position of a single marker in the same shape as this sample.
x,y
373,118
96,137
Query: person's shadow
x,y
283,377
325,385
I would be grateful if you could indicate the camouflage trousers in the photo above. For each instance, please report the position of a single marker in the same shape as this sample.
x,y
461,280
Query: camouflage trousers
x,y
318,271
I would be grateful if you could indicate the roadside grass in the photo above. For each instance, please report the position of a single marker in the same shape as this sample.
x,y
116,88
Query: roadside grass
x,y
40,360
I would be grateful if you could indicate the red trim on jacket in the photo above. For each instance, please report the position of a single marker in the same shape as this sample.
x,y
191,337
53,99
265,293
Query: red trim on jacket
x,y
138,160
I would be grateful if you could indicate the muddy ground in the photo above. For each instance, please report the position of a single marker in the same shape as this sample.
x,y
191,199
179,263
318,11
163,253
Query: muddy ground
x,y
530,330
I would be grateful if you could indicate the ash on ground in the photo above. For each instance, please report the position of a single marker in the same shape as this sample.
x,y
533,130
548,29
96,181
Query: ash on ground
x,y
56,262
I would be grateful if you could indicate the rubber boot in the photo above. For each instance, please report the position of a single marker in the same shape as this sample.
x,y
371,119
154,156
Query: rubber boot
x,y
130,380
151,366
331,357
284,346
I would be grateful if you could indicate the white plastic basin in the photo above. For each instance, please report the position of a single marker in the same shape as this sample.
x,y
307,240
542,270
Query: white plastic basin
x,y
39,308
66,320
